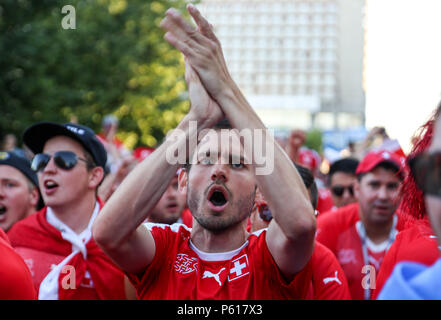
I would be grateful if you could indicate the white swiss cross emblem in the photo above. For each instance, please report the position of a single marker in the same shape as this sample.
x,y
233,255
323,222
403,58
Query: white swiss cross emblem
x,y
239,268
386,155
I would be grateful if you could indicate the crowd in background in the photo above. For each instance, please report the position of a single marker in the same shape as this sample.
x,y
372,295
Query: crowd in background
x,y
83,217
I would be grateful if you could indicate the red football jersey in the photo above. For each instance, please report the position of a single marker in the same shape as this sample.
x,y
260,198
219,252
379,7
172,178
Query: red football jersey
x,y
180,271
417,244
328,278
340,232
324,200
15,278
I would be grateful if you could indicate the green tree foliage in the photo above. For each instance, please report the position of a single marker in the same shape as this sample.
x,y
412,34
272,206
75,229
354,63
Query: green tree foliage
x,y
314,141
115,61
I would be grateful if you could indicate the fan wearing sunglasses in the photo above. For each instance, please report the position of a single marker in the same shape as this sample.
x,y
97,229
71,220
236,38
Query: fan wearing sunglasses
x,y
56,242
360,234
415,280
341,180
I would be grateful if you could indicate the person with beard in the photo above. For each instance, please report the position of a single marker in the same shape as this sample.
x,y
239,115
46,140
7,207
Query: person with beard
x,y
360,234
217,258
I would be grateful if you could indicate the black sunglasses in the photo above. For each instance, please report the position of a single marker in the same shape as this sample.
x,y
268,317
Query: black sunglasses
x,y
63,159
339,190
426,171
264,212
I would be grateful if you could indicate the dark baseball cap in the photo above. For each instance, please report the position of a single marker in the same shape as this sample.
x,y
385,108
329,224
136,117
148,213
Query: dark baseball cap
x,y
19,163
24,166
38,134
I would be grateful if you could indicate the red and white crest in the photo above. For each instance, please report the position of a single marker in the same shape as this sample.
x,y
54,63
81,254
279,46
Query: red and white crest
x,y
185,264
239,268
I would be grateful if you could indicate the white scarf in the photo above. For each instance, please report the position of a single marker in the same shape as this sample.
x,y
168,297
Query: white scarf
x,y
49,285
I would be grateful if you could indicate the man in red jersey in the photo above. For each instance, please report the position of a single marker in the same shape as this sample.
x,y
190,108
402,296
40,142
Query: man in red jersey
x,y
360,234
56,242
217,258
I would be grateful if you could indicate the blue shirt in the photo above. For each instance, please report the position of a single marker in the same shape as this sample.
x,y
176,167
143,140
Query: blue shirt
x,y
413,281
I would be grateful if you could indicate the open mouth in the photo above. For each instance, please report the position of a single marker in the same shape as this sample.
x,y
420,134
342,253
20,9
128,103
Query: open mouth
x,y
218,196
49,184
3,210
172,205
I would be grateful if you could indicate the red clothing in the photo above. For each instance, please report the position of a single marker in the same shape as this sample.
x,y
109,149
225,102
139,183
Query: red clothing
x,y
328,279
324,200
340,232
416,243
180,271
42,247
15,278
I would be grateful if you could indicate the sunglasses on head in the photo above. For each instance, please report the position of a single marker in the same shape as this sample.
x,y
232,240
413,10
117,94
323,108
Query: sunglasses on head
x,y
63,159
339,190
264,212
426,171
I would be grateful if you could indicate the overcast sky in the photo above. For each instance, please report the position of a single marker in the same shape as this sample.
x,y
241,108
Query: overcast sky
x,y
403,65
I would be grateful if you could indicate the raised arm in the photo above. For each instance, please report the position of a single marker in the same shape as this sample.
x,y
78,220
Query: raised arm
x,y
118,229
290,236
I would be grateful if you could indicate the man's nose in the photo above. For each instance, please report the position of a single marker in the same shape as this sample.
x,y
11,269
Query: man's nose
x,y
219,172
50,166
383,193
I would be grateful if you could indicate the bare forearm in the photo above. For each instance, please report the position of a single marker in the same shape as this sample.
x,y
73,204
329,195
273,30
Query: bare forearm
x,y
133,200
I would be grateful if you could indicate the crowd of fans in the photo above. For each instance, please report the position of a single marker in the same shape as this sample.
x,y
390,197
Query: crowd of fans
x,y
83,217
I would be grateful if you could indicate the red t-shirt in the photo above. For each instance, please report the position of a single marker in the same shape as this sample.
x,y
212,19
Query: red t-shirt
x,y
340,232
15,278
416,243
180,271
328,279
324,200
42,247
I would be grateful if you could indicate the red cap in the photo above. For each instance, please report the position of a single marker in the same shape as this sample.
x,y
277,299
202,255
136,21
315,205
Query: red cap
x,y
141,153
309,158
373,159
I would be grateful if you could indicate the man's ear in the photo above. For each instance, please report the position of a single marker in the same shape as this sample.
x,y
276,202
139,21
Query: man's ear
x,y
357,188
96,176
34,197
182,181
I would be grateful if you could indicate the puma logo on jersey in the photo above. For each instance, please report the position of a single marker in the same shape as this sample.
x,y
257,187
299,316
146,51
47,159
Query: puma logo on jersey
x,y
208,274
334,278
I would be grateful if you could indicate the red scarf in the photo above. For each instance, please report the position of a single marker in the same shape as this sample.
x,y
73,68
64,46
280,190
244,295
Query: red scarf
x,y
36,233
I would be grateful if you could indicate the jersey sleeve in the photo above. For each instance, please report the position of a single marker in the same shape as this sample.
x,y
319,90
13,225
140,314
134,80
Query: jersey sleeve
x,y
298,288
329,280
161,235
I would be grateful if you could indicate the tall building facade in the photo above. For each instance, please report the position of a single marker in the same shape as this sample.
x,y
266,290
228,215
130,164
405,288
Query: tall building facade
x,y
299,62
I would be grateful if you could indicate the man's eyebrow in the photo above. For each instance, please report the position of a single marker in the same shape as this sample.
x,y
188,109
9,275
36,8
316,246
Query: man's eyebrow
x,y
8,179
233,157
